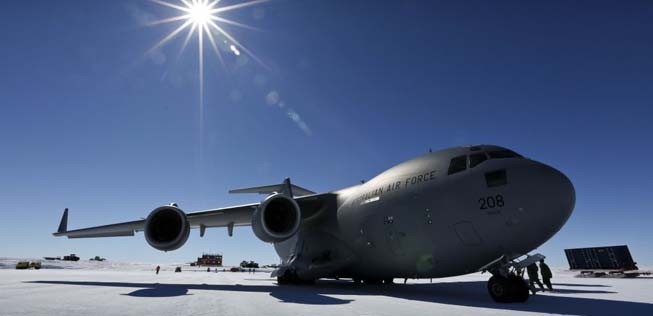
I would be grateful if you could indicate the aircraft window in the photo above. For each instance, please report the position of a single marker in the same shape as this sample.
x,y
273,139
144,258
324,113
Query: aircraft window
x,y
496,178
503,154
458,164
476,159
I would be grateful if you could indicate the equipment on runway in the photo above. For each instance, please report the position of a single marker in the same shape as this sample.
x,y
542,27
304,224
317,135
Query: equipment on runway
x,y
445,213
24,265
614,261
71,257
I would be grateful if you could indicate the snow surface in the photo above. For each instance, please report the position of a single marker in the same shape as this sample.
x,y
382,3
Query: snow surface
x,y
109,288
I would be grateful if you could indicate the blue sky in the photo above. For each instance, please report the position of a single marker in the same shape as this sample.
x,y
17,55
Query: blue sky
x,y
89,120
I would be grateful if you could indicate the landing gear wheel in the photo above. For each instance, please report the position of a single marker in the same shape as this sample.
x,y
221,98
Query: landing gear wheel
x,y
519,289
284,279
500,289
372,281
290,277
508,290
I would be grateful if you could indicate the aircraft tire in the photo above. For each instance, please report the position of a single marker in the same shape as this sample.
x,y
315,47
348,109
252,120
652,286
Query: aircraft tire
x,y
372,281
283,280
291,278
500,289
519,289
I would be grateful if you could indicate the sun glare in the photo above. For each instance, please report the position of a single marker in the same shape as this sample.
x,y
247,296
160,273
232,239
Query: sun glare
x,y
199,13
203,18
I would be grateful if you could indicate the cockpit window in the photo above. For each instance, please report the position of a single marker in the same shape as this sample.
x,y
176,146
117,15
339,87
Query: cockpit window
x,y
503,154
458,164
496,178
476,159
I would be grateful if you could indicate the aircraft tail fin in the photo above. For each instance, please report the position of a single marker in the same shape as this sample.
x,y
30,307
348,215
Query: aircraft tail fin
x,y
286,188
63,225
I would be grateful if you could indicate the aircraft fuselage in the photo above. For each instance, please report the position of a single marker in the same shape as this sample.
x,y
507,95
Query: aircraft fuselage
x,y
442,214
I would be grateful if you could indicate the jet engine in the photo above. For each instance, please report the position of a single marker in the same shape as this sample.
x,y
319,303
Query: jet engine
x,y
167,228
276,219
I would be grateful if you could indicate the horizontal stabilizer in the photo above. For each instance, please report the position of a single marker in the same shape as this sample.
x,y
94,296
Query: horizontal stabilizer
x,y
275,188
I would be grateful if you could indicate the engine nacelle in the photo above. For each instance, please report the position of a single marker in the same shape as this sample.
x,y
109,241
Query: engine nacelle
x,y
167,228
276,219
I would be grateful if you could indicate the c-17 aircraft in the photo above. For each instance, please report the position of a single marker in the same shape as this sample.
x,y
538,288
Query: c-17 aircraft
x,y
445,213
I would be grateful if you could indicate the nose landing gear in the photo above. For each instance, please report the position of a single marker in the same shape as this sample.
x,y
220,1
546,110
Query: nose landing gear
x,y
511,289
506,284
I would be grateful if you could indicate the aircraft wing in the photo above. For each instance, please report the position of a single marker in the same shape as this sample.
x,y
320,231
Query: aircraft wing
x,y
229,217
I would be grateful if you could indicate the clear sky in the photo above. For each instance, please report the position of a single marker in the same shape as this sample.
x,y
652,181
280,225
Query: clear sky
x,y
92,120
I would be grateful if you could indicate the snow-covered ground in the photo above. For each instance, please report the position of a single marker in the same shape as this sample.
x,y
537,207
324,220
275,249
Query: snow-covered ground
x,y
105,288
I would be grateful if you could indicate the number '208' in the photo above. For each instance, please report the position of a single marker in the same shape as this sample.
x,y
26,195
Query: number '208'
x,y
491,202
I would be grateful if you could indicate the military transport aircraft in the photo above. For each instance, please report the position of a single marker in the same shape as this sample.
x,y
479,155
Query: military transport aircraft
x,y
445,213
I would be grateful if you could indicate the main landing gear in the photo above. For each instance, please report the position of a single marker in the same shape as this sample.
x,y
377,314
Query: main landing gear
x,y
369,281
290,277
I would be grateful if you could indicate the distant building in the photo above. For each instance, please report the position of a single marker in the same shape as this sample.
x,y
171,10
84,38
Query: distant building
x,y
209,260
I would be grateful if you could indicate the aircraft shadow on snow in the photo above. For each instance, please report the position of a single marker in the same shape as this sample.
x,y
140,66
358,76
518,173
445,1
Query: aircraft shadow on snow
x,y
472,294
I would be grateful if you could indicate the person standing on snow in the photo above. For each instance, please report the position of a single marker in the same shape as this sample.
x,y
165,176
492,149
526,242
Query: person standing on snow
x,y
546,274
533,277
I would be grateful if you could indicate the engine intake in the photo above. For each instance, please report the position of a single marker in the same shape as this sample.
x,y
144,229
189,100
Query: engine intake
x,y
167,228
276,219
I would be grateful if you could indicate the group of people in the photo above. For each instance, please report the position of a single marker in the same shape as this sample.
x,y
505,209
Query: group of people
x,y
533,277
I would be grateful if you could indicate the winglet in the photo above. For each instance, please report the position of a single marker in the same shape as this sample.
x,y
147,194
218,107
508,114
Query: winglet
x,y
63,225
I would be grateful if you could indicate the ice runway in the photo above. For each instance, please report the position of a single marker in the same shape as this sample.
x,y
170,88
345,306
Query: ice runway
x,y
123,291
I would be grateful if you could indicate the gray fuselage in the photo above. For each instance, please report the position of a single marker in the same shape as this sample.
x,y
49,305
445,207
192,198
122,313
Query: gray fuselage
x,y
436,215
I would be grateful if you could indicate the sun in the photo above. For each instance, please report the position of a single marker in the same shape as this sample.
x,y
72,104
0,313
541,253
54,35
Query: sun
x,y
203,18
199,13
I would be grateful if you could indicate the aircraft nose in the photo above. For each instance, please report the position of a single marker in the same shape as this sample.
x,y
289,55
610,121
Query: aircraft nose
x,y
566,195
544,199
559,197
